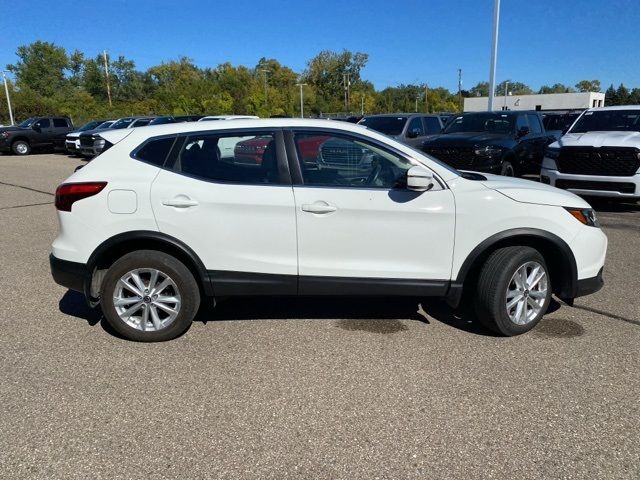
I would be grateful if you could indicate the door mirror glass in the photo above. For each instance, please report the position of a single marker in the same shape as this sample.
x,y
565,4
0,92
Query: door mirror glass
x,y
413,133
419,179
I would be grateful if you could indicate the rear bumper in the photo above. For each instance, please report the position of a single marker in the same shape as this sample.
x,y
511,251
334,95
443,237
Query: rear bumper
x,y
587,286
71,275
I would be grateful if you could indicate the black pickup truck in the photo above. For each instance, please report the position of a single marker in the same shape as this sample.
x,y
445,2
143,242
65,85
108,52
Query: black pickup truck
x,y
505,142
35,132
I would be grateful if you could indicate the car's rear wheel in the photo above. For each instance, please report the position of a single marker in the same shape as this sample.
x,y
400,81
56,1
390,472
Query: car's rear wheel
x,y
149,296
513,291
21,147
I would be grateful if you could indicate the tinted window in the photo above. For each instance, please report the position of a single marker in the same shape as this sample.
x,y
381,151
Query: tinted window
x,y
342,161
387,125
155,151
432,125
43,123
122,123
142,122
481,122
534,124
521,122
416,125
89,126
248,159
60,123
608,120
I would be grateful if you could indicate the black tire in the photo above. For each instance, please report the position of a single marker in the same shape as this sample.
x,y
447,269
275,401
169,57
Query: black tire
x,y
21,147
507,169
491,292
186,285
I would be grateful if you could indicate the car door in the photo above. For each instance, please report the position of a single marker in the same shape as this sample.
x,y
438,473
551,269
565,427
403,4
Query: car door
x,y
414,134
44,133
239,219
359,230
538,140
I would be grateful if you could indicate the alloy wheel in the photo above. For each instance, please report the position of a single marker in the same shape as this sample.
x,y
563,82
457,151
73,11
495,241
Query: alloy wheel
x,y
526,293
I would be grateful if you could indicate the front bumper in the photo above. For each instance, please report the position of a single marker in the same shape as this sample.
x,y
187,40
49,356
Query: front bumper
x,y
71,275
72,145
594,185
587,286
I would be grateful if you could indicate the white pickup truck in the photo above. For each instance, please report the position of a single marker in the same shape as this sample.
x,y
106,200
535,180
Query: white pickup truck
x,y
599,156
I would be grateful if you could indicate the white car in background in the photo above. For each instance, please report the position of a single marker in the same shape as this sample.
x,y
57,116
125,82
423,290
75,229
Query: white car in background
x,y
72,140
599,155
160,222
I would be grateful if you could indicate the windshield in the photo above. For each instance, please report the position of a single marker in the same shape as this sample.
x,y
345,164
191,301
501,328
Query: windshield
x,y
122,123
27,122
481,122
433,159
388,125
608,121
89,126
104,125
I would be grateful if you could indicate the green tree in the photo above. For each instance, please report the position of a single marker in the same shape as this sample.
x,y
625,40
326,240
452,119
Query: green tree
x,y
556,88
588,86
516,88
42,67
480,90
611,96
622,94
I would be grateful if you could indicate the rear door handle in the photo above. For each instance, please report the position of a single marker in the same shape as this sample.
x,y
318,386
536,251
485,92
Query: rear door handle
x,y
181,201
318,207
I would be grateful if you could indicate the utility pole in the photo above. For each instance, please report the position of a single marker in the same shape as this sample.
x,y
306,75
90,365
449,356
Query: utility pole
x,y
264,73
460,88
347,83
506,89
494,53
417,97
301,99
106,73
362,105
426,100
6,90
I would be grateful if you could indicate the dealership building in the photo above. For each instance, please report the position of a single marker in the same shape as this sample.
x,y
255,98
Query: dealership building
x,y
542,102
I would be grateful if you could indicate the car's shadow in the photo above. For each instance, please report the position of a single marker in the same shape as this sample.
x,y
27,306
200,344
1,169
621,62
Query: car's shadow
x,y
613,206
375,314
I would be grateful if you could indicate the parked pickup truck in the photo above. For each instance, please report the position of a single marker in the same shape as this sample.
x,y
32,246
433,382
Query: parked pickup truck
x,y
505,142
35,132
599,156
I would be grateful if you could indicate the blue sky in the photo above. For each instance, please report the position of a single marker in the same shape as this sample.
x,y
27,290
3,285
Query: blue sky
x,y
541,41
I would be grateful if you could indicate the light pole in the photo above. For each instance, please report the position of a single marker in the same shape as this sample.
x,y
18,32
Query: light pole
x,y
6,90
506,89
494,53
301,99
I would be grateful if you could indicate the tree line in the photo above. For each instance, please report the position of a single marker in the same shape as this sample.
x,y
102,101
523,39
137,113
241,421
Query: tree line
x,y
50,80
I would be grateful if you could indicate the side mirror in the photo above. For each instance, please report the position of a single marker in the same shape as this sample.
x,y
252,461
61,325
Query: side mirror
x,y
419,179
413,133
523,131
36,127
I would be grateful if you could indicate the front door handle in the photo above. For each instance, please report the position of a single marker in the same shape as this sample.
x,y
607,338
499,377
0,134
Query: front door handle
x,y
318,207
181,201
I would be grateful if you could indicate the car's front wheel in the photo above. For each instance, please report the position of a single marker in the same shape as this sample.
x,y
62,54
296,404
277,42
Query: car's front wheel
x,y
513,291
149,296
21,147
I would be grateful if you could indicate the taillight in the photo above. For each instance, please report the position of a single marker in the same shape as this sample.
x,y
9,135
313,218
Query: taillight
x,y
69,193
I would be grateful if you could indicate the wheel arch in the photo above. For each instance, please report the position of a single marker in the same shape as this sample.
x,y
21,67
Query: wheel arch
x,y
115,247
556,252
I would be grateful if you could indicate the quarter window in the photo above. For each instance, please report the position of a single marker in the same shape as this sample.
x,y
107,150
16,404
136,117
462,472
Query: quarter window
x,y
342,161
155,151
248,159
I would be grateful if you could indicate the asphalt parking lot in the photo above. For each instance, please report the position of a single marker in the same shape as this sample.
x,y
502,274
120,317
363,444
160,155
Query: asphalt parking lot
x,y
309,388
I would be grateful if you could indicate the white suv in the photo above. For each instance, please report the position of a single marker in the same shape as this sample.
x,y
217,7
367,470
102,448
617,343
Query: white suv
x,y
159,221
599,156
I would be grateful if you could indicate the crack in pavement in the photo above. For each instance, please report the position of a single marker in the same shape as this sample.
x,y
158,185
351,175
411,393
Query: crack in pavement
x,y
28,205
27,188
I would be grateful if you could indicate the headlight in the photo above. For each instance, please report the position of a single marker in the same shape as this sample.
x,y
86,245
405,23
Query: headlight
x,y
99,143
552,153
489,151
586,216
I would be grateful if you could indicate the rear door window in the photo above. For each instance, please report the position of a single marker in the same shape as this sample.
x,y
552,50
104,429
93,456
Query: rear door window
x,y
432,125
60,123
